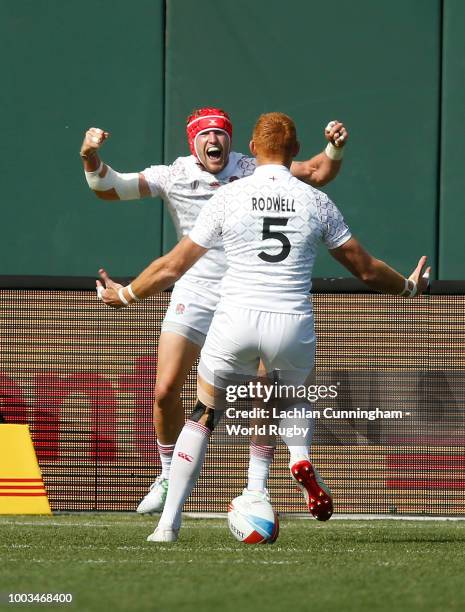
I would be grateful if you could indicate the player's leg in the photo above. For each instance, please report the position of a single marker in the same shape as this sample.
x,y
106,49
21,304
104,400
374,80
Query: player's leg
x,y
260,459
261,450
189,455
176,356
226,352
289,346
184,330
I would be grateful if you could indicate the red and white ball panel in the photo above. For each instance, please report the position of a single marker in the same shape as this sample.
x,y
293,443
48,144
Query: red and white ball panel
x,y
252,521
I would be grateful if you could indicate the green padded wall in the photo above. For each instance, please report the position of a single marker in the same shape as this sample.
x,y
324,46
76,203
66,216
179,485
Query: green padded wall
x,y
376,65
452,217
373,64
67,66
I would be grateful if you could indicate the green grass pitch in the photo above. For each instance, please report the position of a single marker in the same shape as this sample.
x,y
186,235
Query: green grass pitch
x,y
343,565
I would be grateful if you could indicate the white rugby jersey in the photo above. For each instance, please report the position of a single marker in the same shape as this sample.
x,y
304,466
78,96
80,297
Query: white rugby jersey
x,y
271,225
186,188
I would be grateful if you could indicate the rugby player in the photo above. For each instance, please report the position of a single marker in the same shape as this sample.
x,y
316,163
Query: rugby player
x,y
264,312
185,186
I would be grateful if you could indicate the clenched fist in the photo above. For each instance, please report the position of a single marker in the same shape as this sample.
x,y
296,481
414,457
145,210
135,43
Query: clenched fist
x,y
92,142
336,133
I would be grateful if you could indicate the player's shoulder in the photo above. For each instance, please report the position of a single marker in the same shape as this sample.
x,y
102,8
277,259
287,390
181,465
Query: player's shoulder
x,y
312,192
319,196
178,165
241,165
235,186
162,177
323,205
185,164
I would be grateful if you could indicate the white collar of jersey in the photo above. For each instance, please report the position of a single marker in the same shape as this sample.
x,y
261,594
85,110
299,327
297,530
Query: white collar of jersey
x,y
271,169
225,173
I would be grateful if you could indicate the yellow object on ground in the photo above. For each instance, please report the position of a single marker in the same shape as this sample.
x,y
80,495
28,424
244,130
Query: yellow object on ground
x,y
22,489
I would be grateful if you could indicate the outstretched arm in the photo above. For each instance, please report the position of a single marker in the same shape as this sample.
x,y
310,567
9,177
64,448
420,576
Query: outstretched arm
x,y
102,179
377,274
324,167
158,276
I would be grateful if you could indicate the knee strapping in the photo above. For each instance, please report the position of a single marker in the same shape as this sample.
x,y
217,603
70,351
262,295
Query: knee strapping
x,y
212,416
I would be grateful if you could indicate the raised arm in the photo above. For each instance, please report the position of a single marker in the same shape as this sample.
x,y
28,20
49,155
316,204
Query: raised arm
x,y
324,167
377,274
158,276
102,179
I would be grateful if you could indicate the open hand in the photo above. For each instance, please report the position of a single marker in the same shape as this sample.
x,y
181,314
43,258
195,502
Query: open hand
x,y
421,275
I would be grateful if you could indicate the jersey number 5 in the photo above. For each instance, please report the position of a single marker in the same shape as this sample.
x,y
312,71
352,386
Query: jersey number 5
x,y
267,233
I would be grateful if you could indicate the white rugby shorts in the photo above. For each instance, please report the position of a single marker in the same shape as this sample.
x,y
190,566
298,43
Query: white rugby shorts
x,y
190,314
239,337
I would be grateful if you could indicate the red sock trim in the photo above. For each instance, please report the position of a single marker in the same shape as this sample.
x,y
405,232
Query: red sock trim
x,y
194,426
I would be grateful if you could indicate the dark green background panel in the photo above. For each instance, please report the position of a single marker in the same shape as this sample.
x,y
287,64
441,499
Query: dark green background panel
x,y
452,218
67,66
373,64
376,65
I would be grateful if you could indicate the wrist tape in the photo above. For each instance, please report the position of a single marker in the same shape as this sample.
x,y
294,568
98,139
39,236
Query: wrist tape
x,y
410,289
121,296
333,152
132,294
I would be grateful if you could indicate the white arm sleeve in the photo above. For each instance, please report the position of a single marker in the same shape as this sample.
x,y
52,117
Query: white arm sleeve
x,y
126,185
209,225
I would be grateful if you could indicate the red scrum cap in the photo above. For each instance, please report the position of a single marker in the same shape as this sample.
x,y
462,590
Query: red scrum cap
x,y
204,120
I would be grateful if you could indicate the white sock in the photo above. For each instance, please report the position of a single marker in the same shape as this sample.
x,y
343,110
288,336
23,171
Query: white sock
x,y
188,458
166,455
298,446
260,459
298,453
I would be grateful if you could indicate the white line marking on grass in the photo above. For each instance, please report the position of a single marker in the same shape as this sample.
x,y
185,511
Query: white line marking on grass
x,y
196,523
205,515
97,524
242,560
202,525
390,517
122,561
62,524
343,517
183,561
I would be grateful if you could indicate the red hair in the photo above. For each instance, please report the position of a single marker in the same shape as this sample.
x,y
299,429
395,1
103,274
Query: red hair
x,y
275,134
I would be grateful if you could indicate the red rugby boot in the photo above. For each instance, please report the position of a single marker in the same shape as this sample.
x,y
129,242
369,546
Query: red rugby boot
x,y
315,491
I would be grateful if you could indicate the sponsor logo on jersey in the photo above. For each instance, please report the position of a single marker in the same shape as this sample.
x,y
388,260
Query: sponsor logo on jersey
x,y
194,185
216,184
180,308
185,456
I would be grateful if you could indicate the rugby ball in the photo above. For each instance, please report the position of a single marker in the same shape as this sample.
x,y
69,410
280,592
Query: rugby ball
x,y
252,520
